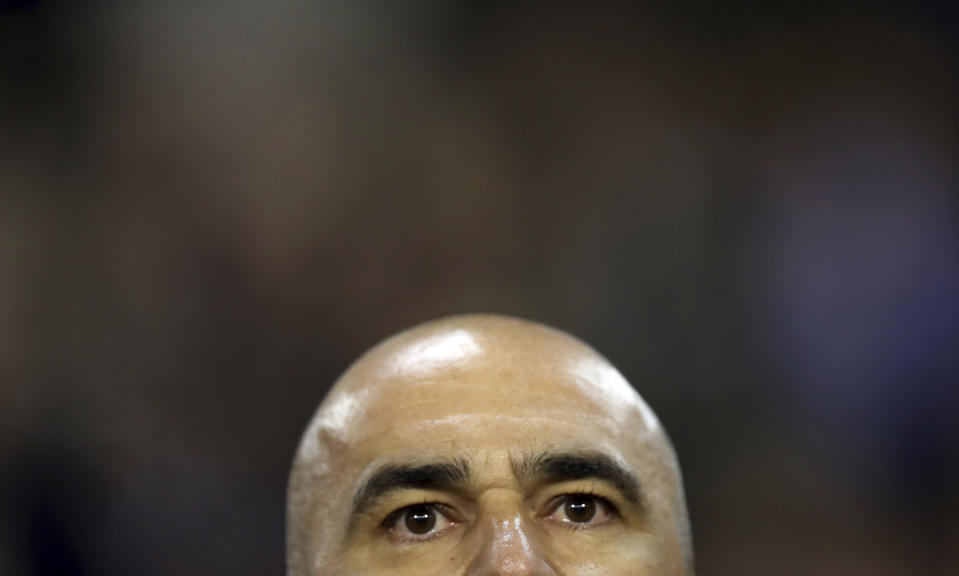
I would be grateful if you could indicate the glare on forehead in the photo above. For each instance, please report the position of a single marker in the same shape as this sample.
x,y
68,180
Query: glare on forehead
x,y
421,358
430,354
592,376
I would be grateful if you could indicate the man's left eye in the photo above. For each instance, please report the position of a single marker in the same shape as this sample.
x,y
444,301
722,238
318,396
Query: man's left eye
x,y
418,522
581,510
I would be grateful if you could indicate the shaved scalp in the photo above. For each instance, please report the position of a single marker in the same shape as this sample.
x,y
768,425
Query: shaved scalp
x,y
449,350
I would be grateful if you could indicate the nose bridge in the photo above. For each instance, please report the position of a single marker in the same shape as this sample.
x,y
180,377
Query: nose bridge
x,y
508,549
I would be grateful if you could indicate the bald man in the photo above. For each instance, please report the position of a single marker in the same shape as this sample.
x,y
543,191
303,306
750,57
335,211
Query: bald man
x,y
485,445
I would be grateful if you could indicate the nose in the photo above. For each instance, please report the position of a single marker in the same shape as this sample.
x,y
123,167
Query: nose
x,y
508,551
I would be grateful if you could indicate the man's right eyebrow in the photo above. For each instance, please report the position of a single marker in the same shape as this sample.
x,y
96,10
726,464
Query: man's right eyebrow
x,y
391,477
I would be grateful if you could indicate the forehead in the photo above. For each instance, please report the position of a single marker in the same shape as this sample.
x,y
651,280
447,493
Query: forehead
x,y
473,390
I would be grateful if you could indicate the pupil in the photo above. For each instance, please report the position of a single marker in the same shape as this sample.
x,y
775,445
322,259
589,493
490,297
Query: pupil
x,y
420,520
580,509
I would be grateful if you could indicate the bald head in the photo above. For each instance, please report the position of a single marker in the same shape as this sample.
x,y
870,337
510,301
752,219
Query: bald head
x,y
485,445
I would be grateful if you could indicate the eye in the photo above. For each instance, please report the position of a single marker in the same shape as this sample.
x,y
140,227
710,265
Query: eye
x,y
581,510
418,522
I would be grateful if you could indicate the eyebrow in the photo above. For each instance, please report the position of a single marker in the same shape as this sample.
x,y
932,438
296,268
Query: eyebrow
x,y
393,477
543,467
578,465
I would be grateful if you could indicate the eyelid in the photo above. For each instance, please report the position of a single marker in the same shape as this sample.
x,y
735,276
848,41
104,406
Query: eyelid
x,y
556,501
604,506
597,489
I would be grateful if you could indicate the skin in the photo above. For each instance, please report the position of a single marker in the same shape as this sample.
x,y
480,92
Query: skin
x,y
491,394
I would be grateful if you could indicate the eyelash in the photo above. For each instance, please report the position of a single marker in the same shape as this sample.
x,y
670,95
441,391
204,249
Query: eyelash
x,y
395,515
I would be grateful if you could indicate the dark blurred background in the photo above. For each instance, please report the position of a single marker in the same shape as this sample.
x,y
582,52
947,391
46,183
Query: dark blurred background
x,y
208,209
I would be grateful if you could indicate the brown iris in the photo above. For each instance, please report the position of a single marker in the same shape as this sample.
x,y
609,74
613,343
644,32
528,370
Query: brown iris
x,y
580,508
420,519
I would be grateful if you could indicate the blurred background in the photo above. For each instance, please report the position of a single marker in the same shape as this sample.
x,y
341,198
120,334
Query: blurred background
x,y
208,209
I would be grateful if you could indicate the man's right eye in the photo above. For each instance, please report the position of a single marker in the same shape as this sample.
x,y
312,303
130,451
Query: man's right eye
x,y
419,522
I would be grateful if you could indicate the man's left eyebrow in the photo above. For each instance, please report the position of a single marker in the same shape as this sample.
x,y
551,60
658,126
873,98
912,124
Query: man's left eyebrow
x,y
578,465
